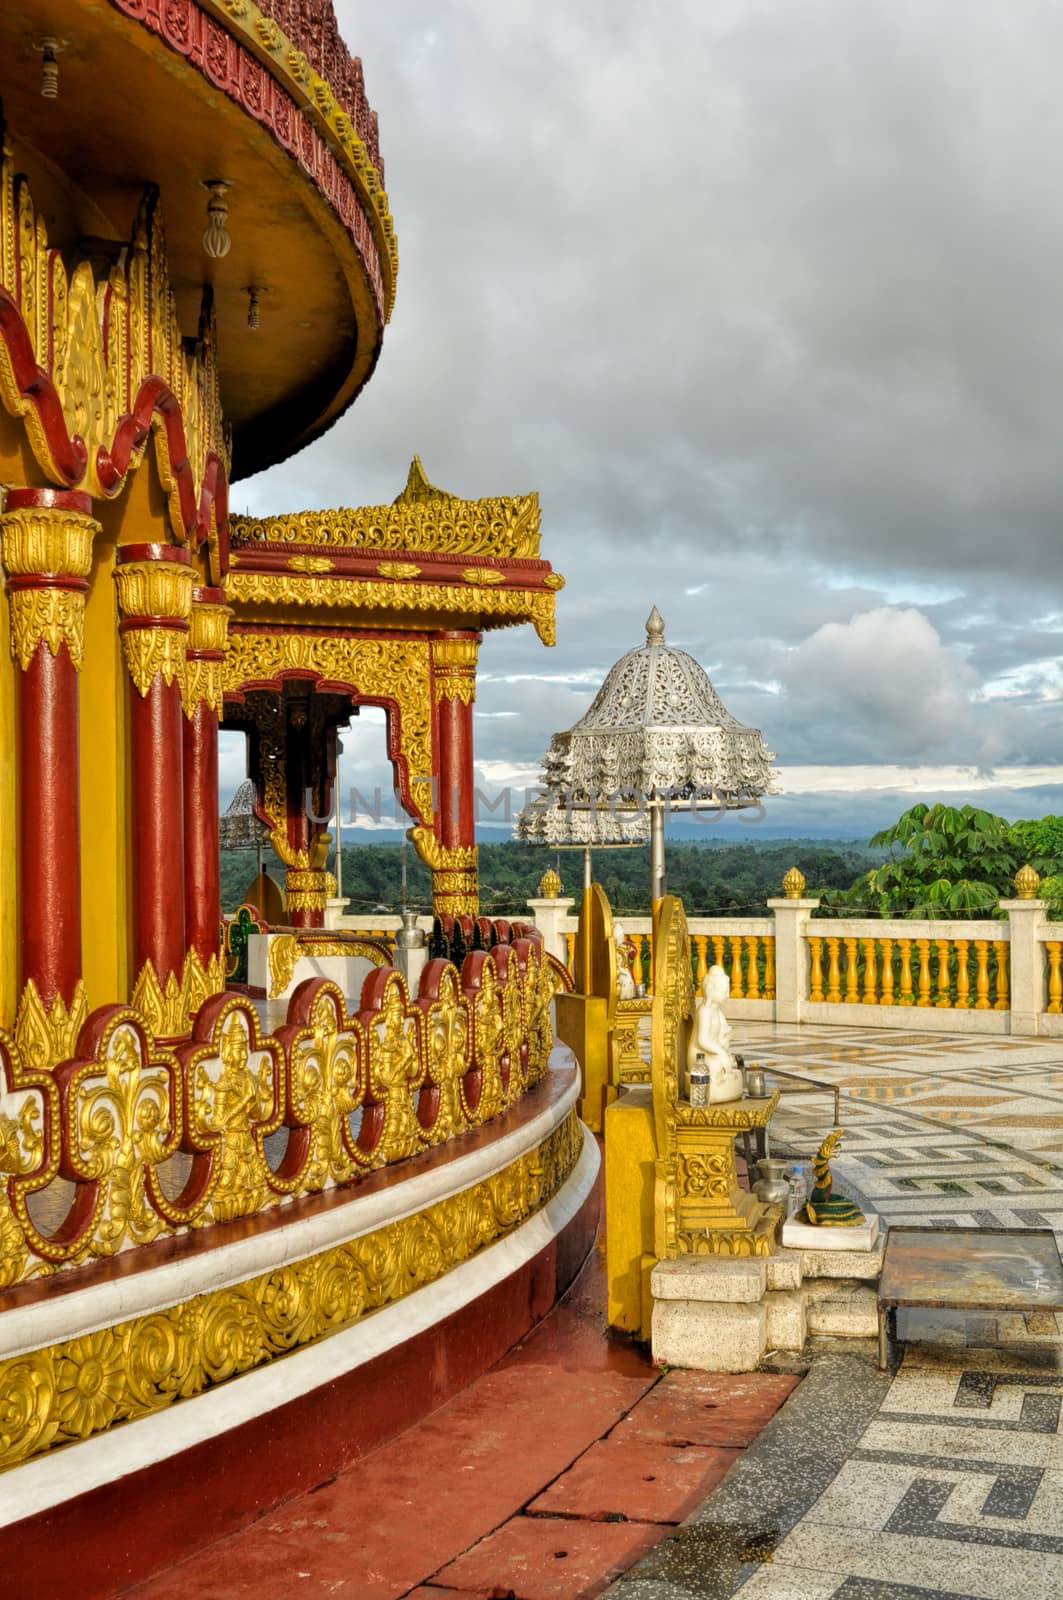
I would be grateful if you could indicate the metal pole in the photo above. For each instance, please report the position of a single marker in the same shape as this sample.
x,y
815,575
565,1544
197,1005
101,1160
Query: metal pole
x,y
657,882
587,875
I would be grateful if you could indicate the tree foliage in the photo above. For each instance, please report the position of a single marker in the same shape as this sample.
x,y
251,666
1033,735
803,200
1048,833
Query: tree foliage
x,y
954,861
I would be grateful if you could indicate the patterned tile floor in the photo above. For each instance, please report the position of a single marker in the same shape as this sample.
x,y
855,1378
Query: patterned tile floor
x,y
946,1479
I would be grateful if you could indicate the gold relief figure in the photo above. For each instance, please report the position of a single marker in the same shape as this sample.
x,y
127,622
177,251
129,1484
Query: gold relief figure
x,y
395,1070
488,1043
229,1107
447,1051
324,1090
824,1208
513,1032
124,1124
21,1152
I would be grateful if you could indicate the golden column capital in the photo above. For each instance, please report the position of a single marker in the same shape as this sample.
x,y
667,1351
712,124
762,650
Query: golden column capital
x,y
155,599
208,638
47,555
454,667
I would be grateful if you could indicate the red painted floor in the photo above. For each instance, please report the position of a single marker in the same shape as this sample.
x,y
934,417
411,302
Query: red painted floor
x,y
544,1480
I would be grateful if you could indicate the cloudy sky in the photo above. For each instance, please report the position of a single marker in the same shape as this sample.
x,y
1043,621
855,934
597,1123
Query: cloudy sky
x,y
763,297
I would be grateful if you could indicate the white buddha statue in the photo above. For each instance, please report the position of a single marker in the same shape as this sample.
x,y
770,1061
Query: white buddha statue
x,y
710,1038
625,978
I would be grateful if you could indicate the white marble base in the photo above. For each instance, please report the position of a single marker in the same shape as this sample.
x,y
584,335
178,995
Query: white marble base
x,y
805,1236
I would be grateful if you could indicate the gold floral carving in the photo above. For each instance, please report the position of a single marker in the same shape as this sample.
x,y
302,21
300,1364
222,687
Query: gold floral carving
x,y
398,569
307,889
376,669
49,545
310,563
84,1386
454,669
507,527
100,342
203,680
451,602
46,1037
455,879
285,950
553,580
489,575
169,1008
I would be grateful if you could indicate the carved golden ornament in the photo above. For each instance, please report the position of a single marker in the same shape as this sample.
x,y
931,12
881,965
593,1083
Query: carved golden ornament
x,y
451,602
1027,882
398,569
99,363
83,1386
44,1037
202,683
482,575
376,669
208,626
553,580
793,884
455,880
499,527
155,589
169,1008
454,669
310,563
52,544
550,884
307,889
21,1153
286,949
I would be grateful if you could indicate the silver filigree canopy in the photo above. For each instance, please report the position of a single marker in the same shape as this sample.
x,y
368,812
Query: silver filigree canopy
x,y
240,828
551,821
656,729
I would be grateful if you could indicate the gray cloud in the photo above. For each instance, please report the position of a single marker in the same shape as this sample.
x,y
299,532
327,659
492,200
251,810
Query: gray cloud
x,y
762,298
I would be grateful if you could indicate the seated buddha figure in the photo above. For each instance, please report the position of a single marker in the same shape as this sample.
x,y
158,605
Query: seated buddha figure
x,y
710,1038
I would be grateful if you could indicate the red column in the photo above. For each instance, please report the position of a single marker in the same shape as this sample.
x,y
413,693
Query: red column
x,y
203,696
306,881
46,537
155,598
454,679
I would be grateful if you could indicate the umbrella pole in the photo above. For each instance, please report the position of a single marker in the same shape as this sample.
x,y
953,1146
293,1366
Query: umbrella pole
x,y
657,881
587,875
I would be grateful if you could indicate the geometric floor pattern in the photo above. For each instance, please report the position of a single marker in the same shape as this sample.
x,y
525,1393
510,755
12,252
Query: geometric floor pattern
x,y
939,1128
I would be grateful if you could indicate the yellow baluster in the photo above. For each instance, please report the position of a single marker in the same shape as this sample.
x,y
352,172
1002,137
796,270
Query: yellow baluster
x,y
737,991
700,946
752,967
769,967
870,973
1054,950
981,977
906,997
570,949
1002,950
834,972
852,982
923,946
886,997
718,942
815,979
944,999
963,976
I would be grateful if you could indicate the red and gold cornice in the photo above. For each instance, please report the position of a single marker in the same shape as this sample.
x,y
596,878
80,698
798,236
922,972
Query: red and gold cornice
x,y
94,370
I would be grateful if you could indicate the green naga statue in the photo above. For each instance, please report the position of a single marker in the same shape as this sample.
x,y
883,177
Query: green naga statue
x,y
824,1208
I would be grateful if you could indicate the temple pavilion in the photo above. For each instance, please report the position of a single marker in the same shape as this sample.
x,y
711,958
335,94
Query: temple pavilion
x,y
200,1175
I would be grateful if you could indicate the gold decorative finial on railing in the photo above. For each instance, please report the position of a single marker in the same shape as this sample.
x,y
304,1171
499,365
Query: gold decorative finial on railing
x,y
1027,882
550,884
793,885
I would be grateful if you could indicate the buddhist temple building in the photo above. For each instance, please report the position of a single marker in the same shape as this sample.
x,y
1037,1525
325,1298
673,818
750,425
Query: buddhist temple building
x,y
201,1173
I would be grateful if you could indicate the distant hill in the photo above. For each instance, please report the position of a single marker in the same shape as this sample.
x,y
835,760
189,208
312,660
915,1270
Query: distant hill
x,y
714,877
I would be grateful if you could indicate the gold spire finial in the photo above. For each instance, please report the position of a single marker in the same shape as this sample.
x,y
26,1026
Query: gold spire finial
x,y
793,885
550,884
418,487
655,627
1027,882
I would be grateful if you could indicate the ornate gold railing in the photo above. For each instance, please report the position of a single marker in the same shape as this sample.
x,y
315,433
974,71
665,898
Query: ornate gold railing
x,y
131,1140
919,966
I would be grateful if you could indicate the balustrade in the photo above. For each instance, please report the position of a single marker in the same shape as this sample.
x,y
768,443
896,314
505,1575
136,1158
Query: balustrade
x,y
890,967
129,1141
